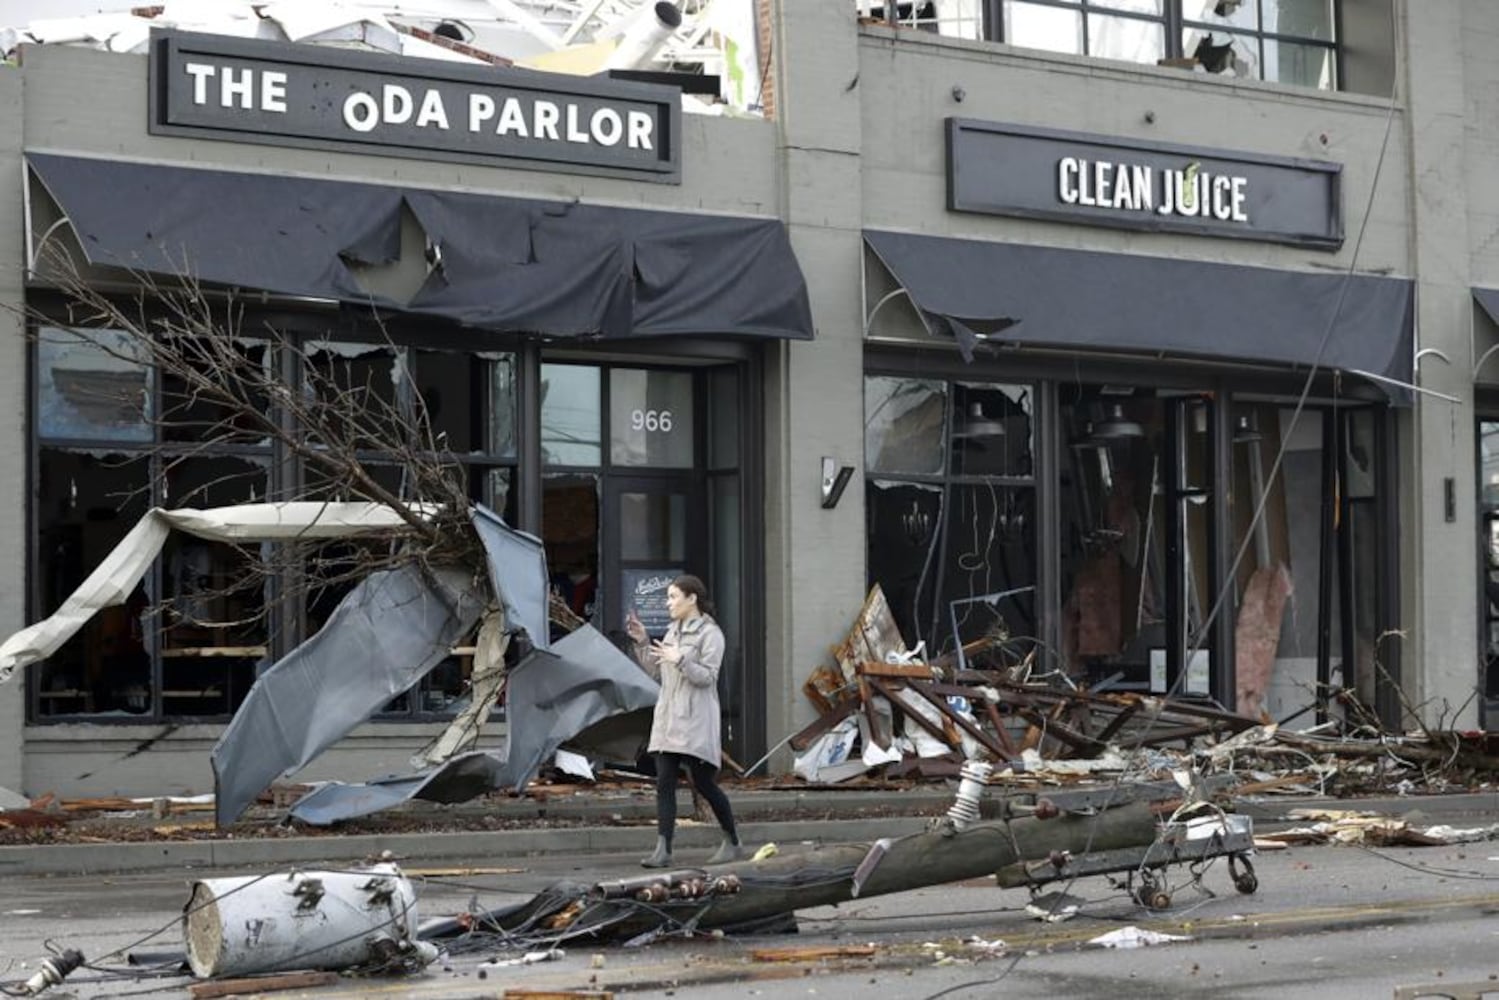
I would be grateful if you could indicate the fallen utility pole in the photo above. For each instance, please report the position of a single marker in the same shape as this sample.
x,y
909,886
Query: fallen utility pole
x,y
784,884
1117,830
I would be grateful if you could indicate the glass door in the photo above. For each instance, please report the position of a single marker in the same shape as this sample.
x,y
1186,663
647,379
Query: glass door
x,y
1137,512
660,533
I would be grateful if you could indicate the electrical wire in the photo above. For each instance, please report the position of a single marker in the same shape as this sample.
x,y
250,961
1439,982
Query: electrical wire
x,y
1456,873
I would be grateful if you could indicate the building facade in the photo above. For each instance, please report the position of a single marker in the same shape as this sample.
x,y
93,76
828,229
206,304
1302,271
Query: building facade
x,y
1163,369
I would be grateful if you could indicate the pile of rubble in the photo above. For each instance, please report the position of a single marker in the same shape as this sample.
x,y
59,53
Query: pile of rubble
x,y
885,713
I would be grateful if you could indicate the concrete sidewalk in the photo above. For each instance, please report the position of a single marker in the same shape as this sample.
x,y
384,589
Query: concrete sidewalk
x,y
603,824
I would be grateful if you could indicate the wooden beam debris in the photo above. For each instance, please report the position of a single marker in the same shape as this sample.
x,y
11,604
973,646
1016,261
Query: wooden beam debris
x,y
254,985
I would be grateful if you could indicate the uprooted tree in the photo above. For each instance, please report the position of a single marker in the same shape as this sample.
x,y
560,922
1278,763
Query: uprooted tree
x,y
309,418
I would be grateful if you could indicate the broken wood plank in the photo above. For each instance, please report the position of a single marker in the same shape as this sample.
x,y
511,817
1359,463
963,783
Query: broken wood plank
x,y
1111,730
823,724
931,727
1052,726
730,762
877,735
992,711
950,766
812,953
262,984
824,688
941,705
921,671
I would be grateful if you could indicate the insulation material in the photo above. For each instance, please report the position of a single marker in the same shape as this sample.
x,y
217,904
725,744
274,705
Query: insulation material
x,y
582,685
926,744
1097,597
111,583
1257,635
389,631
830,758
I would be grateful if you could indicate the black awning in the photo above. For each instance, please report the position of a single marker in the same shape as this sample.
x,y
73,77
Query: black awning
x,y
1074,298
554,268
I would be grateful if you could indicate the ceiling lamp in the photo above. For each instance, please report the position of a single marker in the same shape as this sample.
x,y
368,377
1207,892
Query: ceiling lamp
x,y
1245,431
979,426
1116,425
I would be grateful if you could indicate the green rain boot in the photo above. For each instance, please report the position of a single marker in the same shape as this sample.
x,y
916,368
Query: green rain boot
x,y
728,850
660,857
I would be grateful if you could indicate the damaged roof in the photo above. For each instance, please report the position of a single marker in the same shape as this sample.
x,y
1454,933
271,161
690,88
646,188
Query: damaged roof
x,y
712,38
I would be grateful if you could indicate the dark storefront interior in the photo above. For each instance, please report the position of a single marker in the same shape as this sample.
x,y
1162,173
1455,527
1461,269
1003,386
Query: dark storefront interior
x,y
1146,495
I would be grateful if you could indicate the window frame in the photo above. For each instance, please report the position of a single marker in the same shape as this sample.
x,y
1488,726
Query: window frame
x,y
1173,19
947,479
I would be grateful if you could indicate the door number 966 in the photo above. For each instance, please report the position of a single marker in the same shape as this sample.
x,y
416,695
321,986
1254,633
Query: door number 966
x,y
651,421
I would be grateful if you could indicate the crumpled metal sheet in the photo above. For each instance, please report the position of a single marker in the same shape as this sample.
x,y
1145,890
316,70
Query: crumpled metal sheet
x,y
382,638
518,571
552,698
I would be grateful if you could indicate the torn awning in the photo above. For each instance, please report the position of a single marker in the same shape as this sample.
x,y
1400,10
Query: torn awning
x,y
560,269
1053,297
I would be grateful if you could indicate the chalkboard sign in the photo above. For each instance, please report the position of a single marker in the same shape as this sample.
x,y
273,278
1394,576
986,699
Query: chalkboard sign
x,y
644,590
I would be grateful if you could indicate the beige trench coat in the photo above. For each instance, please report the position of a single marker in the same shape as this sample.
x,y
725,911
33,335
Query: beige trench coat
x,y
687,713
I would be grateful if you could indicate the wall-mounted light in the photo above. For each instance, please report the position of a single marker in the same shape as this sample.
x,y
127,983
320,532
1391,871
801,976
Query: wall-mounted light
x,y
834,480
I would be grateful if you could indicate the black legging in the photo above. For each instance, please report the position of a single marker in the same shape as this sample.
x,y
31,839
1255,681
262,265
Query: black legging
x,y
668,766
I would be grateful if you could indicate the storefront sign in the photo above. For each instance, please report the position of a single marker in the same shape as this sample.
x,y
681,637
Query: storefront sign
x,y
644,592
303,95
1046,174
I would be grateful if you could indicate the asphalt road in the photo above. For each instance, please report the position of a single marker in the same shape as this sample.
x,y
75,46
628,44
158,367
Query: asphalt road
x,y
1327,923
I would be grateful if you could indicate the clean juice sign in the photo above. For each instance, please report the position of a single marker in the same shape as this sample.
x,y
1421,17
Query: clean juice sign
x,y
998,169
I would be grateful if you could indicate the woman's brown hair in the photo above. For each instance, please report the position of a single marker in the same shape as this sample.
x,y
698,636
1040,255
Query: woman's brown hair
x,y
689,584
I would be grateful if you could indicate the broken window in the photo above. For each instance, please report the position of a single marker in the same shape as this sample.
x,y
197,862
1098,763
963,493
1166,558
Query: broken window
x,y
950,509
905,425
185,415
92,388
1136,495
570,531
354,392
211,616
86,503
115,439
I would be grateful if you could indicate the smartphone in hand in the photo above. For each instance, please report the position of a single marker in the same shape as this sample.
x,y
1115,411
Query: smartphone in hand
x,y
634,627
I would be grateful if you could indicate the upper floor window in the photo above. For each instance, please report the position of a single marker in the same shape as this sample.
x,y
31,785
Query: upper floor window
x,y
1282,41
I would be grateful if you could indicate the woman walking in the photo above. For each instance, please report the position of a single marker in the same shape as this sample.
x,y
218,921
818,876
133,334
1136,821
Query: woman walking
x,y
685,727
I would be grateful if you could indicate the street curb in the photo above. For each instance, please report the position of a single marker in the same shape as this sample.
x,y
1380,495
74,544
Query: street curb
x,y
496,845
1268,813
